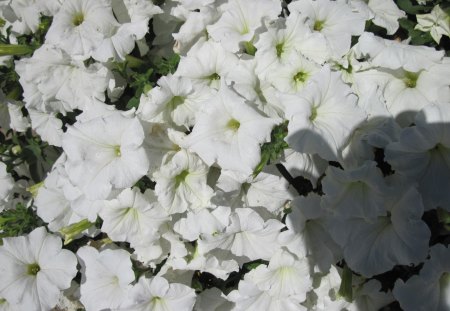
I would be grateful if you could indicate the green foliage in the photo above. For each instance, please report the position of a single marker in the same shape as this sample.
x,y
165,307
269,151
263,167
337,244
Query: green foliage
x,y
417,37
254,264
141,75
27,148
18,221
346,290
164,66
272,150
409,7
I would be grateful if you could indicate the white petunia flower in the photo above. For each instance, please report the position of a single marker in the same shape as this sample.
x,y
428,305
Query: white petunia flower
x,y
309,166
437,22
106,277
285,37
394,55
336,21
408,92
80,26
47,125
132,216
208,63
358,192
400,237
133,17
286,275
383,13
28,14
230,132
245,81
181,184
34,270
307,233
292,76
265,190
422,155
11,116
240,20
157,294
323,116
51,202
246,235
430,290
248,297
161,143
193,30
69,84
175,101
105,152
6,184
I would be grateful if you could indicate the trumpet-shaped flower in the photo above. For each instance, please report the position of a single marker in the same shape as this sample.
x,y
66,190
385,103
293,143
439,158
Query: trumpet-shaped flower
x,y
246,235
34,270
229,131
398,237
175,101
430,290
394,55
157,294
132,216
336,21
408,92
307,233
6,184
69,84
437,22
105,152
359,192
181,184
248,297
207,64
422,155
383,13
285,37
239,21
80,26
286,275
106,277
323,116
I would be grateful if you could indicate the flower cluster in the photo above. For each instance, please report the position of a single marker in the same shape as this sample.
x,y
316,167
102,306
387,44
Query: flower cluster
x,y
291,155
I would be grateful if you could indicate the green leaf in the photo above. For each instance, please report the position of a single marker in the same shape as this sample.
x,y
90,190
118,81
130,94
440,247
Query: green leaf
x,y
133,103
15,49
408,7
18,221
346,290
417,37
272,150
164,66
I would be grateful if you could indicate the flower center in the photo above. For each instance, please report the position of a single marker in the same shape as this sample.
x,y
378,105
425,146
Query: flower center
x,y
33,269
180,178
318,25
233,125
313,115
444,280
301,77
78,19
214,76
176,101
279,47
117,151
410,79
